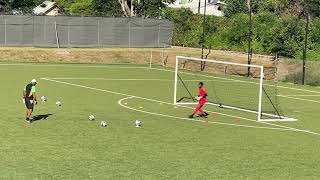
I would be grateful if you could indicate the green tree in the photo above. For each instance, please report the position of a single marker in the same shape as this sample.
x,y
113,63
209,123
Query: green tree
x,y
76,7
25,6
82,7
4,6
184,29
288,36
150,8
236,32
263,26
106,8
235,6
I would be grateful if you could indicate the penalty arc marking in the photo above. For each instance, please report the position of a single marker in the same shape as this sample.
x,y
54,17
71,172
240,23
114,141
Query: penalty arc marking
x,y
120,102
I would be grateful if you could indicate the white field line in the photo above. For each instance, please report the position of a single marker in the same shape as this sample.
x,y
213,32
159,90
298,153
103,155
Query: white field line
x,y
159,69
135,79
196,120
112,92
301,99
115,66
306,95
111,79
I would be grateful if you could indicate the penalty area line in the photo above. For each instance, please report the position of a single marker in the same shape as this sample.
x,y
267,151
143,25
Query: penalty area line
x,y
131,79
306,95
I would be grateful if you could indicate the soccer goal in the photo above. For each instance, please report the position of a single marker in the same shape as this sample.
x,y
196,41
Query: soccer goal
x,y
229,85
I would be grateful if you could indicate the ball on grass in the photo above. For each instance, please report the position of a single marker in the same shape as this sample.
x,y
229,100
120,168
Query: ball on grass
x,y
138,123
103,123
58,103
91,117
43,99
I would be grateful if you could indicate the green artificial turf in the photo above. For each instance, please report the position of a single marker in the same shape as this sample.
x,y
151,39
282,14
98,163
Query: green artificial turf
x,y
228,145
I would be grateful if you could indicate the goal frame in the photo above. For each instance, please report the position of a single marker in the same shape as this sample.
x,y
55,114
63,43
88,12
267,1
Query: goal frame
x,y
260,67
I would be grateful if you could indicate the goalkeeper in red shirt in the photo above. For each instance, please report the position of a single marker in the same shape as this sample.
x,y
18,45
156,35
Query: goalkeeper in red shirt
x,y
202,98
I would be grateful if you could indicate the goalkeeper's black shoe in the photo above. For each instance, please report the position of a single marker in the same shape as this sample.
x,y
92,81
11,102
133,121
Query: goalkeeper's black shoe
x,y
205,116
191,116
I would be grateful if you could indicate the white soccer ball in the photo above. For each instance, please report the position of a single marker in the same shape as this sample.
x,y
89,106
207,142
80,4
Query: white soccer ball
x,y
91,117
103,124
138,123
58,103
43,99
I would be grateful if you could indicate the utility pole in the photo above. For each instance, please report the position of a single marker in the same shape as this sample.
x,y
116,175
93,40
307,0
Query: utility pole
x,y
199,5
249,36
305,48
203,28
203,34
131,8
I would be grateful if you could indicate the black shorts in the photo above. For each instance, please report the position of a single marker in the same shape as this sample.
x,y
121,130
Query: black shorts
x,y
29,103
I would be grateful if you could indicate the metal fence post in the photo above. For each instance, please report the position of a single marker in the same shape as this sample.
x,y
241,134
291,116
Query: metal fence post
x,y
5,31
130,33
44,28
33,30
68,34
57,36
159,29
98,32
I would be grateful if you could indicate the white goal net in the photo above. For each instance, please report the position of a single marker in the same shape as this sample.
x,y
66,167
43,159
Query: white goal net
x,y
229,85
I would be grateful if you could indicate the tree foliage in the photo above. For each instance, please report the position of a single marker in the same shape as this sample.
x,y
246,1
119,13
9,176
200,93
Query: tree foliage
x,y
115,8
106,8
150,8
278,27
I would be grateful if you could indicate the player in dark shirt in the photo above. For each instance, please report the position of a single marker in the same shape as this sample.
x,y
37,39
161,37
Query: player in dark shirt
x,y
30,99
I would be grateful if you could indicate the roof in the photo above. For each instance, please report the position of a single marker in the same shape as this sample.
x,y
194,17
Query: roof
x,y
44,7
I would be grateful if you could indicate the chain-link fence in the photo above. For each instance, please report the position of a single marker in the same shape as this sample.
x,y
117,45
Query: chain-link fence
x,y
64,31
290,70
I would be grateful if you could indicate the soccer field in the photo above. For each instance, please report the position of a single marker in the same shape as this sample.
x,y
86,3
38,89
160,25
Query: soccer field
x,y
229,144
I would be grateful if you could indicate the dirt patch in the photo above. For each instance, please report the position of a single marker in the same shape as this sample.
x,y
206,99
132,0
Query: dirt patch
x,y
160,56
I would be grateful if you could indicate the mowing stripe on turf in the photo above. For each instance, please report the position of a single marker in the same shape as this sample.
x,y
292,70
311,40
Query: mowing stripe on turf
x,y
301,99
112,92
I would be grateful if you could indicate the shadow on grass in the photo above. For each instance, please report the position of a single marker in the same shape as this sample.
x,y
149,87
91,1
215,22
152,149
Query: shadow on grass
x,y
41,117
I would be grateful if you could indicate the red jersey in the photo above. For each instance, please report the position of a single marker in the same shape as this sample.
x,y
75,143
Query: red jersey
x,y
203,93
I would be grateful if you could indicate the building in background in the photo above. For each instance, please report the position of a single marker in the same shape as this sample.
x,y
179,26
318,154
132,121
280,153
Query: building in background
x,y
214,7
47,8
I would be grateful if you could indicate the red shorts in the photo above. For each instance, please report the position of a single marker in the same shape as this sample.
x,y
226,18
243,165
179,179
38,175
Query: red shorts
x,y
202,101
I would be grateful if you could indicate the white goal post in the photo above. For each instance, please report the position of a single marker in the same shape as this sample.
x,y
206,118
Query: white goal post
x,y
231,86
